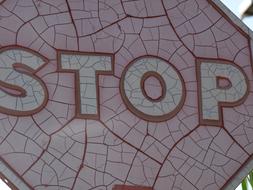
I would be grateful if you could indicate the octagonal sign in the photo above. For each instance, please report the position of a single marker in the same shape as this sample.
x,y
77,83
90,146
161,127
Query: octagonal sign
x,y
124,95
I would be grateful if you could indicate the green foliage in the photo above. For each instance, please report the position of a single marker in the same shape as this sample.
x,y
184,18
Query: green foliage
x,y
247,182
244,184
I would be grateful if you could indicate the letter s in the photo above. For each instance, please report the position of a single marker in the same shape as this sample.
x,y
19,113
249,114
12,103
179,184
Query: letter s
x,y
21,92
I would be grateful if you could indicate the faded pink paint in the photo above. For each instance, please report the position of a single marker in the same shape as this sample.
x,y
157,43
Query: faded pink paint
x,y
54,148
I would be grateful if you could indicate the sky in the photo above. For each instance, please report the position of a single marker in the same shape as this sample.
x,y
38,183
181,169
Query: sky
x,y
3,186
237,6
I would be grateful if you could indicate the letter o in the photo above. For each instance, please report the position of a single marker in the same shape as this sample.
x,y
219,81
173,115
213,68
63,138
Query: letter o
x,y
132,85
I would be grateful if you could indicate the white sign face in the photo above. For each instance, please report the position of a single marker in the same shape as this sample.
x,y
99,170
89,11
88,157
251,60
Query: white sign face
x,y
124,95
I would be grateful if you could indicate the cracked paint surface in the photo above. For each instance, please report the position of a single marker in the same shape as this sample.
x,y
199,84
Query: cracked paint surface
x,y
87,67
170,82
56,147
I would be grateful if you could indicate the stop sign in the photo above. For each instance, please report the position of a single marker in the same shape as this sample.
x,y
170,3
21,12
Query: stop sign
x,y
124,95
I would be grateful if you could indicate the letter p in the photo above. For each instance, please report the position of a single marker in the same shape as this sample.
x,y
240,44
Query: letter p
x,y
221,84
